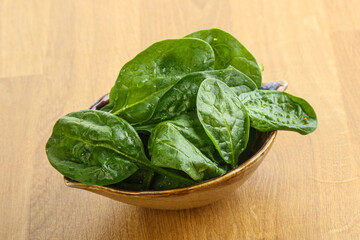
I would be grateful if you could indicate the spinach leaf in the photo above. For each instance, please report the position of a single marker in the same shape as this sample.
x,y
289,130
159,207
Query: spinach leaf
x,y
271,110
147,180
94,147
190,127
238,82
229,51
99,148
146,78
169,148
137,178
144,127
140,180
191,102
161,182
182,96
111,95
224,119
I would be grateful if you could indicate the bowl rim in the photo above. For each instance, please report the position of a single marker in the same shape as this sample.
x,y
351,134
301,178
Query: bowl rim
x,y
183,190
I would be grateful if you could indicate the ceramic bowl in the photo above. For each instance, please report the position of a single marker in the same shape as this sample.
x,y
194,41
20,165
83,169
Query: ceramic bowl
x,y
196,195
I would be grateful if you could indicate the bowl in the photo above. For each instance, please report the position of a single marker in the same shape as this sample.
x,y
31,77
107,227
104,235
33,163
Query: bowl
x,y
196,195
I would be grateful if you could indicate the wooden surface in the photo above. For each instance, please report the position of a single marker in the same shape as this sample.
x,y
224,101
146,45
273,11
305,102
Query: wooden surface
x,y
60,56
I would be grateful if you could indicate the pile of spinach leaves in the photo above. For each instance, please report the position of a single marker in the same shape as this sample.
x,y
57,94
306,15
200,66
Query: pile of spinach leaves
x,y
181,112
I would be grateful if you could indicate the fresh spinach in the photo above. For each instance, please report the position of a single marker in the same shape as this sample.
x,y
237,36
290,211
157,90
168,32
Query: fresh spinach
x,y
182,96
147,77
229,51
190,102
161,182
190,127
94,147
238,82
88,145
224,119
134,182
169,148
145,127
271,110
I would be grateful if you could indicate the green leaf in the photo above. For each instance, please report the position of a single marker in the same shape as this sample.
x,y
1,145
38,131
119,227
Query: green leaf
x,y
182,96
191,102
86,143
147,180
144,127
111,95
271,110
137,178
190,127
238,82
169,148
146,78
161,182
229,51
224,119
94,147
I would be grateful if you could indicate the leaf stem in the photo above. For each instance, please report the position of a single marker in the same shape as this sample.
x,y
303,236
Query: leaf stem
x,y
147,180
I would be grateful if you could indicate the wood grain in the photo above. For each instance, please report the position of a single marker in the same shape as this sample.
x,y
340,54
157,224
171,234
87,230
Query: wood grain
x,y
59,56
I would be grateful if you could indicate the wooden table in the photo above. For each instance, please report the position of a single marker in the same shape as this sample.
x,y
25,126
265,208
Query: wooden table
x,y
60,56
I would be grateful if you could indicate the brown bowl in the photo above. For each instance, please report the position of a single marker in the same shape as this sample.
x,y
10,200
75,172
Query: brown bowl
x,y
196,195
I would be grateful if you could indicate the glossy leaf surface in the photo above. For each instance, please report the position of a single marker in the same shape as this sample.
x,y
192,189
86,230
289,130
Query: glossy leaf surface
x,y
94,147
190,102
271,110
229,51
190,127
145,79
224,119
169,148
182,96
97,129
161,182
